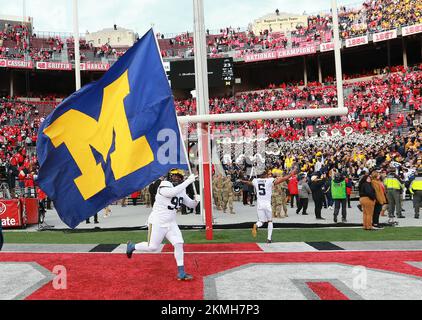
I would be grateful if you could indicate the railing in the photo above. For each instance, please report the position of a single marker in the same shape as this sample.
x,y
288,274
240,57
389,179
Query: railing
x,y
61,35
212,32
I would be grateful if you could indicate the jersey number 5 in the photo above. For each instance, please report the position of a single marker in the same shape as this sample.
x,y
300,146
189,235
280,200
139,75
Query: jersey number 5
x,y
261,188
177,202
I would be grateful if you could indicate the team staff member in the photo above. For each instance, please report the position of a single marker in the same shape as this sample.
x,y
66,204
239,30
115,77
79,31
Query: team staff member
x,y
171,195
416,191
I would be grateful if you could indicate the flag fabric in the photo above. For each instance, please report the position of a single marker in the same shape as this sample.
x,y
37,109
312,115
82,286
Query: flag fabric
x,y
111,138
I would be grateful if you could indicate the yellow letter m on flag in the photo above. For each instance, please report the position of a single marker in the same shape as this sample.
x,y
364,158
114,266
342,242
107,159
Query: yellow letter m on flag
x,y
80,132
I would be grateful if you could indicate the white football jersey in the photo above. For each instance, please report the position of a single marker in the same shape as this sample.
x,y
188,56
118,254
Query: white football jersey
x,y
264,190
165,209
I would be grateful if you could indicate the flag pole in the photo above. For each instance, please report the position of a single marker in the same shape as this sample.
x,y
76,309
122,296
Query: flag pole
x,y
177,119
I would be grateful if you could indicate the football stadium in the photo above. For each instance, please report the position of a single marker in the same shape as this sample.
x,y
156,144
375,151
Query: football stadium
x,y
276,160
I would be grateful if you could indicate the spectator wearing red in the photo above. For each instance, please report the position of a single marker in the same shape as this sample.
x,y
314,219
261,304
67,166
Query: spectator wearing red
x,y
293,187
134,196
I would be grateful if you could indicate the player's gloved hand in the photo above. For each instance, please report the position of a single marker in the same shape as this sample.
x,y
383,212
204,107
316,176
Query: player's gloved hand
x,y
198,198
191,178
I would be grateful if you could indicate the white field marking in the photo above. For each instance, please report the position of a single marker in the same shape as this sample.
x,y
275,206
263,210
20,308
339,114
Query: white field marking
x,y
218,252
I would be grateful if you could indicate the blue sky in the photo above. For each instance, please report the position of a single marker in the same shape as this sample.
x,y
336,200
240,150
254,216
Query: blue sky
x,y
168,16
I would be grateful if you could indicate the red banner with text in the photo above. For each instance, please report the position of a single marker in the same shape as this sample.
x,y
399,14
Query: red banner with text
x,y
10,214
54,66
386,35
280,54
358,41
324,47
91,66
407,31
16,64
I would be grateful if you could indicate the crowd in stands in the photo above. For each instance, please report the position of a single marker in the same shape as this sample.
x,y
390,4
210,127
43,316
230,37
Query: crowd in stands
x,y
389,14
380,106
18,137
17,43
18,33
370,103
326,165
371,16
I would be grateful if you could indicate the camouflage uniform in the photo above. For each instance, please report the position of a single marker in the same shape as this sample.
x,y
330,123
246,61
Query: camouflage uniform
x,y
283,197
214,190
228,194
147,197
276,201
219,192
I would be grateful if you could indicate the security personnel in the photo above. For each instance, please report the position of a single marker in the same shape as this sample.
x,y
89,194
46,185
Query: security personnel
x,y
394,186
416,191
227,194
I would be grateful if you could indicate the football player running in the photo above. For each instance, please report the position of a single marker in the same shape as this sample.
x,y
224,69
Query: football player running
x,y
171,195
264,191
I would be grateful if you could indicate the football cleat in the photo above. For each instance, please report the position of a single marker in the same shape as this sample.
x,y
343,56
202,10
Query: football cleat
x,y
130,249
185,277
269,241
254,230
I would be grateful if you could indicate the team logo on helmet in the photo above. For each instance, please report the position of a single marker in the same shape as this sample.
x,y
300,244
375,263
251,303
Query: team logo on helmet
x,y
176,176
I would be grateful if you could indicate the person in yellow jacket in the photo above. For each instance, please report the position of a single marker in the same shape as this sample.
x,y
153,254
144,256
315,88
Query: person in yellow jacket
x,y
288,163
394,187
416,191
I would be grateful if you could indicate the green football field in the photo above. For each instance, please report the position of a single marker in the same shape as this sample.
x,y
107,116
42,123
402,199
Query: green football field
x,y
220,236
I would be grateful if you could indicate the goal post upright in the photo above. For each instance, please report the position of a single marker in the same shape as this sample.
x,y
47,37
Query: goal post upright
x,y
337,54
203,118
202,102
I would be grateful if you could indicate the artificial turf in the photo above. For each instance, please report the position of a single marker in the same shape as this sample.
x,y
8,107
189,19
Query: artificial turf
x,y
219,236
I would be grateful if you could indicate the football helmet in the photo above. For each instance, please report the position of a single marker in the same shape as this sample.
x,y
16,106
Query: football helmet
x,y
176,176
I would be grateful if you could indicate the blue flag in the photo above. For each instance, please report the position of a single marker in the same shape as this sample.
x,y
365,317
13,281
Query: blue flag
x,y
111,138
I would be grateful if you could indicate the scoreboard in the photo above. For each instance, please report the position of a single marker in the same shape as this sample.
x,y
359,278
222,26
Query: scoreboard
x,y
181,74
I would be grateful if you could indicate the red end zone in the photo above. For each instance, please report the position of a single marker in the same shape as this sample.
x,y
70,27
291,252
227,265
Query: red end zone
x,y
153,277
